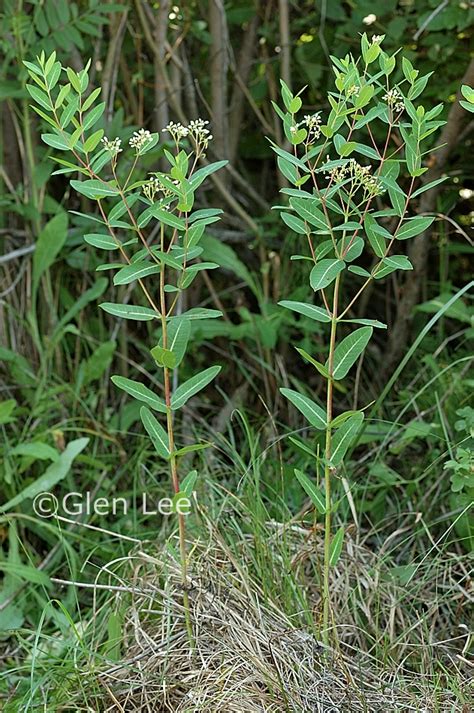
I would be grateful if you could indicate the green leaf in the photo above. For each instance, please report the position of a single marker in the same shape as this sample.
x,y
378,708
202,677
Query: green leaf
x,y
290,158
93,140
347,148
348,351
136,312
201,313
188,483
53,474
357,270
88,296
392,263
419,86
428,186
179,331
374,113
468,93
192,448
140,392
133,272
288,170
49,244
39,97
366,322
295,223
365,93
342,418
388,175
317,497
314,414
190,387
324,272
414,226
167,218
374,236
308,310
163,357
307,208
94,188
103,242
181,501
93,116
115,637
298,136
74,79
336,547
199,176
286,95
408,70
6,409
36,450
317,365
93,368
356,246
344,437
55,141
90,99
27,573
157,433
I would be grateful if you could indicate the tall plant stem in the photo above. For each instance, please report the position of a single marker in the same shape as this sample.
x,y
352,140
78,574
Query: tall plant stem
x,y
327,468
173,463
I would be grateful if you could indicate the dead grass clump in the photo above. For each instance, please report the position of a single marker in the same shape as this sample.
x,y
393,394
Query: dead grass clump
x,y
248,655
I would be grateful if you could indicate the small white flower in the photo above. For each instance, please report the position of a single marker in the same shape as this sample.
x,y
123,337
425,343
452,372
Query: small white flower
x,y
200,135
393,97
154,186
313,125
113,147
376,39
140,139
360,177
177,131
369,19
293,129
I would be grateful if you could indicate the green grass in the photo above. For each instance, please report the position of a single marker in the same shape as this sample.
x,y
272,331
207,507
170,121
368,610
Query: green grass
x,y
400,591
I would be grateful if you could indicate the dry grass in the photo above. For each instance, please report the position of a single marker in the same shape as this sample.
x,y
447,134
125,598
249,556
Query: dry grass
x,y
250,656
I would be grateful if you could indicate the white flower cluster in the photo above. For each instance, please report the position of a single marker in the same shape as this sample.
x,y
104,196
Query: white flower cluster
x,y
313,125
196,130
353,91
394,99
154,186
177,131
140,139
201,135
369,19
376,39
360,175
113,147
